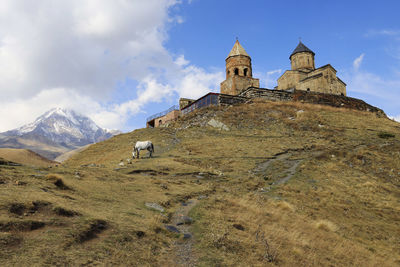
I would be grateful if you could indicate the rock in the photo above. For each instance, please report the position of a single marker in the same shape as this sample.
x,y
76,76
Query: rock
x,y
154,206
140,234
185,220
187,236
238,226
202,197
172,228
121,164
164,186
217,124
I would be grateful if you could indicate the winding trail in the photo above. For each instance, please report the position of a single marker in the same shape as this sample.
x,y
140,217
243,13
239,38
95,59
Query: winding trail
x,y
184,247
294,163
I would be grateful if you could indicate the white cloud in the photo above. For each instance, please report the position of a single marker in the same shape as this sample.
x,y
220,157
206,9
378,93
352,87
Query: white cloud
x,y
396,118
74,53
357,62
269,79
375,89
369,83
384,32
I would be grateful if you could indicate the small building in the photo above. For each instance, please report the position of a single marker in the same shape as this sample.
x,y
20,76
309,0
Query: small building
x,y
164,117
304,76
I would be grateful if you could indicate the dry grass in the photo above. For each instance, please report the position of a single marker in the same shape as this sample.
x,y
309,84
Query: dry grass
x,y
326,225
340,207
24,156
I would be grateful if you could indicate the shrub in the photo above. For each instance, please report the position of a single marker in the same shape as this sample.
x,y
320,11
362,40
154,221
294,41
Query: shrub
x,y
385,135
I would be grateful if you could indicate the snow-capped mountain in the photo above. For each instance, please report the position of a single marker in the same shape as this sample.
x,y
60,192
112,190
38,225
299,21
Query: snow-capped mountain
x,y
58,127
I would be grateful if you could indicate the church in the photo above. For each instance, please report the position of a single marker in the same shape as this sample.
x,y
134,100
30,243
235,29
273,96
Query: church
x,y
303,82
302,76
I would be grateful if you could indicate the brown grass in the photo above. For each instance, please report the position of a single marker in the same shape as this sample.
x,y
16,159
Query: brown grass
x,y
326,225
25,156
339,208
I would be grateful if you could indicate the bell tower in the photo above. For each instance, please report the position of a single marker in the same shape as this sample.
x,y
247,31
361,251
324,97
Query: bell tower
x,y
239,73
302,58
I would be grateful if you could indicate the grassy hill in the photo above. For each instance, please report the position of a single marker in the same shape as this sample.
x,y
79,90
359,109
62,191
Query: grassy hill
x,y
25,156
67,155
270,184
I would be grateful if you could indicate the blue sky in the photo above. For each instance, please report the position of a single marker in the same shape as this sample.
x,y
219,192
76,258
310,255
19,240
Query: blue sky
x,y
121,61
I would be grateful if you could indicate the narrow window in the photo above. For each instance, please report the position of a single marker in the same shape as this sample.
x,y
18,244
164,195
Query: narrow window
x,y
245,72
236,71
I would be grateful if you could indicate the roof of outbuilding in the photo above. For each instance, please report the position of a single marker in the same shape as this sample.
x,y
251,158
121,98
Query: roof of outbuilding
x,y
238,50
301,48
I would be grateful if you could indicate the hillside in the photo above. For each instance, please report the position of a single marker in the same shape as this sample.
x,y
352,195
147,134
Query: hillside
x,y
268,184
69,154
25,156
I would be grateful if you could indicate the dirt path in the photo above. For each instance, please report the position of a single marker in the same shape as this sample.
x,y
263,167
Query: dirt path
x,y
283,157
184,247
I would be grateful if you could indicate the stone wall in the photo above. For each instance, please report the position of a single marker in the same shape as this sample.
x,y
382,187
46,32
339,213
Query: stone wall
x,y
307,97
335,101
224,99
236,84
171,116
290,79
273,95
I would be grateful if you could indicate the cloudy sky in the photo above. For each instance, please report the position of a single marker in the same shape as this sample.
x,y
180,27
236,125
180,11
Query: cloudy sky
x,y
121,61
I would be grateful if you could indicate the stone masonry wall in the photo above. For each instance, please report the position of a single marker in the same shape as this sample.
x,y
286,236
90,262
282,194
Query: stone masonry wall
x,y
231,99
335,101
273,95
173,115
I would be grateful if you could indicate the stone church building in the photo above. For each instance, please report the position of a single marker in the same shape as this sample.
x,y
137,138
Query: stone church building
x,y
302,76
303,82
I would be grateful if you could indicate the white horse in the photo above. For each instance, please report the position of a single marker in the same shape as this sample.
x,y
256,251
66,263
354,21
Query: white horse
x,y
142,145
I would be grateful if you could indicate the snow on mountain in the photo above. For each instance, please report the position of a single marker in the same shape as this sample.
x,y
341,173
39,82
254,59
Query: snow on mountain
x,y
64,126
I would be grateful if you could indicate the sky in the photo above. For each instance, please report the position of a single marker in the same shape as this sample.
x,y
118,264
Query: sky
x,y
121,61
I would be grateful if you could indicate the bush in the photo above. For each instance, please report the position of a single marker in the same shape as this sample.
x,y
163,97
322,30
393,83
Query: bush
x,y
385,135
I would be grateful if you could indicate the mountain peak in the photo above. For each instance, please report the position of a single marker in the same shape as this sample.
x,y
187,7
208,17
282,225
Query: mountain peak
x,y
63,126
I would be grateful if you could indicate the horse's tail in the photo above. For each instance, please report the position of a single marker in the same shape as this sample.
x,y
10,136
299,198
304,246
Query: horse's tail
x,y
152,147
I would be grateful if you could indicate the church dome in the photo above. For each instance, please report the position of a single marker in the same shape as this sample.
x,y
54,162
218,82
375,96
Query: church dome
x,y
301,48
237,50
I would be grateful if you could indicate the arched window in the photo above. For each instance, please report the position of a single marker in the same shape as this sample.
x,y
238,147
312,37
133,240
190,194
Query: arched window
x,y
245,72
236,71
308,89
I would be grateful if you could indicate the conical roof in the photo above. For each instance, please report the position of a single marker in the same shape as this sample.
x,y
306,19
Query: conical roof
x,y
301,48
238,50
